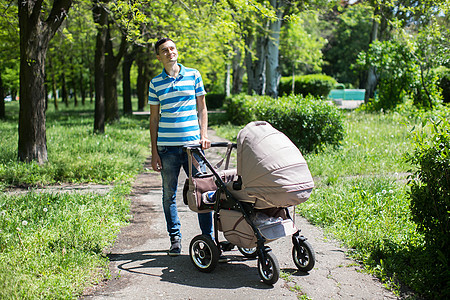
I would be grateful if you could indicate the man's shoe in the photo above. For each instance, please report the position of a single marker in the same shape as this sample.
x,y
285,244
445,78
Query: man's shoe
x,y
175,248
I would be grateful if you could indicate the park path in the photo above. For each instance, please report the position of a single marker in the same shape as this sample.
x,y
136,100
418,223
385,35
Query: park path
x,y
141,269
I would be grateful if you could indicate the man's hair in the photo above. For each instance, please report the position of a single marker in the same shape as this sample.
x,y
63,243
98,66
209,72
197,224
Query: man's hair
x,y
160,42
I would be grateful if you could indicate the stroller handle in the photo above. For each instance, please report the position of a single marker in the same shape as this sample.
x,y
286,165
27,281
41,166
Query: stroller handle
x,y
216,144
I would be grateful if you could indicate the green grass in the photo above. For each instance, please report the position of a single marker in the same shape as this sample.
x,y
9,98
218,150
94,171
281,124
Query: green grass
x,y
75,153
360,196
52,245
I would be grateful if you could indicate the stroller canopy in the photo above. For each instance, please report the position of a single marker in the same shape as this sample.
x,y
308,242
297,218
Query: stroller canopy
x,y
272,169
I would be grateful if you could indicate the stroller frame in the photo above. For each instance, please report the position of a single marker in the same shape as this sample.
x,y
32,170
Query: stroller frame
x,y
205,253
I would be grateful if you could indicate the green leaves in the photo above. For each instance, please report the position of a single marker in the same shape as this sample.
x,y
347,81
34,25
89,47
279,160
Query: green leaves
x,y
310,123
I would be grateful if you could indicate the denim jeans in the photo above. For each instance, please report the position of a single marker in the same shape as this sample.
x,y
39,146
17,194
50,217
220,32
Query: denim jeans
x,y
172,159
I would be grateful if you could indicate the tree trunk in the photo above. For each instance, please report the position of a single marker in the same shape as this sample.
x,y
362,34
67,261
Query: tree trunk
x,y
272,68
238,72
82,88
371,82
228,81
2,100
111,70
35,36
53,84
143,78
256,65
74,85
64,95
126,83
101,18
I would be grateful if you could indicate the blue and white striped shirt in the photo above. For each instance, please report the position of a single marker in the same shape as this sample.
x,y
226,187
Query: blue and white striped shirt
x,y
178,124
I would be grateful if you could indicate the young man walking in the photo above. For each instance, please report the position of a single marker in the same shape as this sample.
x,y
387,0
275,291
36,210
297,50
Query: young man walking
x,y
178,116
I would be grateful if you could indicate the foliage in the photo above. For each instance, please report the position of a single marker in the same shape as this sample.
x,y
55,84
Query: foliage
x,y
444,84
51,244
311,124
300,45
317,85
350,35
430,199
214,101
395,69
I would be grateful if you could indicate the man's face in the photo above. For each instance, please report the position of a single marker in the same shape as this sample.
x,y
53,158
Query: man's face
x,y
167,52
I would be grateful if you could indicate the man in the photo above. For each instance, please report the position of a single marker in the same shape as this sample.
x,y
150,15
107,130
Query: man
x,y
177,94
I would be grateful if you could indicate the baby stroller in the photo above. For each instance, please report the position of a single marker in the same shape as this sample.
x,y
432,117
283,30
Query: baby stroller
x,y
251,203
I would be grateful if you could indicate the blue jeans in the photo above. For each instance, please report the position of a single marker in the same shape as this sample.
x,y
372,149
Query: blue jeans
x,y
172,159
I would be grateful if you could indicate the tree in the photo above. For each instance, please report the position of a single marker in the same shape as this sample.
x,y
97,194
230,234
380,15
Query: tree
x,y
350,36
301,47
101,19
36,31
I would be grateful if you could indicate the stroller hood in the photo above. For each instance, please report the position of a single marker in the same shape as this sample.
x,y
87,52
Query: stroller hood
x,y
272,169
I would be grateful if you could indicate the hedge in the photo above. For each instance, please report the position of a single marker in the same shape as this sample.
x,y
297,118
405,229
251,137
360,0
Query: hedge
x,y
310,123
317,85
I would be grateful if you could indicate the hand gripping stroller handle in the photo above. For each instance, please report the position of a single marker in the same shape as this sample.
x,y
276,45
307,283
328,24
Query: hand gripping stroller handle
x,y
216,144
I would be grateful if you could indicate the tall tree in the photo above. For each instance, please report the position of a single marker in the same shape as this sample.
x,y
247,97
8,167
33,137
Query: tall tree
x,y
101,19
36,31
110,76
273,43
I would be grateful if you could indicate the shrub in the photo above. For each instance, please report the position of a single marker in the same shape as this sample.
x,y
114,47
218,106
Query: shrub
x,y
311,124
317,85
214,101
430,200
444,84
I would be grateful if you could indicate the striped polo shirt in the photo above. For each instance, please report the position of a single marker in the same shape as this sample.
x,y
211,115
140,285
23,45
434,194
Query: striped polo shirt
x,y
178,123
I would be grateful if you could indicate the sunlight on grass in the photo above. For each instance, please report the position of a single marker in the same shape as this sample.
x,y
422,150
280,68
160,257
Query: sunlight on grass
x,y
373,144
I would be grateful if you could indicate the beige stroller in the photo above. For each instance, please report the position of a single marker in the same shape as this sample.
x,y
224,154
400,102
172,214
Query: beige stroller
x,y
251,203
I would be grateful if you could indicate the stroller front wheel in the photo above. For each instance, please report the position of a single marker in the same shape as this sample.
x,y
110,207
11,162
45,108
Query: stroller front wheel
x,y
204,253
268,268
303,255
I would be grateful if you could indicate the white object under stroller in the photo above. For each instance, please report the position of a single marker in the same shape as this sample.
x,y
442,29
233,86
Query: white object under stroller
x,y
251,203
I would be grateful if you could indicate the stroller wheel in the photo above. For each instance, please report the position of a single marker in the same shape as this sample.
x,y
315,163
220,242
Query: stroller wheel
x,y
204,253
248,252
268,268
303,255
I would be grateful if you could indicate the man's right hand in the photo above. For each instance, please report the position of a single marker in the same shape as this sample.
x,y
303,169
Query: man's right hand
x,y
156,163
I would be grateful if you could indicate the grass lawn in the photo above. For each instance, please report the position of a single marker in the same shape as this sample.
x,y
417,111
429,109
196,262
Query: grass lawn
x,y
51,245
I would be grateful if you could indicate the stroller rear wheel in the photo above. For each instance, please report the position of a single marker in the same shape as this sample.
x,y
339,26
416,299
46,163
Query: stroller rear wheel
x,y
303,255
204,253
248,252
268,268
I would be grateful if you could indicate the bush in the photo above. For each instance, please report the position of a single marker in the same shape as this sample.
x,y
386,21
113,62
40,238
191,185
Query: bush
x,y
311,124
317,85
430,201
444,84
214,101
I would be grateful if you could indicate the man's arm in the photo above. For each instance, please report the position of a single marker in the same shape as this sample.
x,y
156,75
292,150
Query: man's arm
x,y
154,122
203,121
